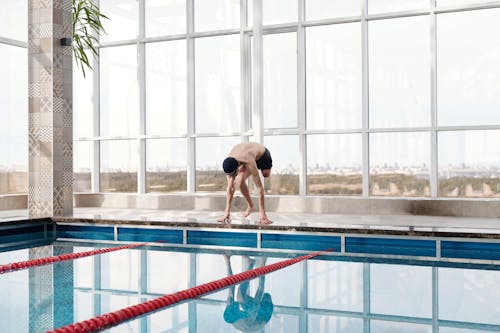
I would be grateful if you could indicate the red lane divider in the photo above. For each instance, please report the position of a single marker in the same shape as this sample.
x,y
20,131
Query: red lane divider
x,y
69,256
114,318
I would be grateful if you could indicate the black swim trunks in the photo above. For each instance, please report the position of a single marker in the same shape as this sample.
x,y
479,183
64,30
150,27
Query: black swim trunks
x,y
265,161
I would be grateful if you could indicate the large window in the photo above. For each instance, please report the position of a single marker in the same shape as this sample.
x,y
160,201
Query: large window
x,y
399,164
468,67
118,166
468,163
334,164
352,98
166,165
14,97
399,72
280,80
166,88
333,64
218,84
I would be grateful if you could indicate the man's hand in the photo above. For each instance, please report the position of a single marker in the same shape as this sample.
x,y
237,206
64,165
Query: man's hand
x,y
226,219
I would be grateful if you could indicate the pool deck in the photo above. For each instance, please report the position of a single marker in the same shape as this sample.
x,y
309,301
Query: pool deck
x,y
338,223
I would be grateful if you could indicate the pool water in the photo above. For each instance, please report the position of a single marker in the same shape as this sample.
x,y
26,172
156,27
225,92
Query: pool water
x,y
326,294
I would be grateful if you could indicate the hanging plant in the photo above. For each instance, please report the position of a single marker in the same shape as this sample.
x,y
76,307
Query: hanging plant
x,y
87,27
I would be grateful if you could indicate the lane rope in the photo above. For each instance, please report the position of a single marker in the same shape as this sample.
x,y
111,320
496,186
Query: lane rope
x,y
63,257
111,319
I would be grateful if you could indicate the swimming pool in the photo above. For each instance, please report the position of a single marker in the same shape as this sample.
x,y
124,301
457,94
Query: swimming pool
x,y
333,293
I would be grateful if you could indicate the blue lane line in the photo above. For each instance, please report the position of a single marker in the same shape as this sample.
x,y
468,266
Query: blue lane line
x,y
300,242
19,234
463,249
238,239
470,250
86,232
407,247
150,235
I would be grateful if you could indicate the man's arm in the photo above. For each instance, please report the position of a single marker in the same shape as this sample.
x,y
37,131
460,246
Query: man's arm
x,y
229,199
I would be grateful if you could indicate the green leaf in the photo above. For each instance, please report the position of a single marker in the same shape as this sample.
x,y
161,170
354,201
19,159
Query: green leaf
x,y
87,27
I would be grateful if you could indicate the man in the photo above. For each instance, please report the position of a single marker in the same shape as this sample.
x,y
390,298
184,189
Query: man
x,y
246,159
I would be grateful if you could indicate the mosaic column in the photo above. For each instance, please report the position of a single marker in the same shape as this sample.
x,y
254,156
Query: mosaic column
x,y
41,289
50,190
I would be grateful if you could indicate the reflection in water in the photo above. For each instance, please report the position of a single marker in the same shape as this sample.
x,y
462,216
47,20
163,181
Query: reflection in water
x,y
247,313
318,296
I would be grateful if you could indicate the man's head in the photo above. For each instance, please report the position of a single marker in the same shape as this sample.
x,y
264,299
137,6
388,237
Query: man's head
x,y
230,166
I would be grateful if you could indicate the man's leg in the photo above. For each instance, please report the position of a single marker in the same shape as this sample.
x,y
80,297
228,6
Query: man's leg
x,y
246,193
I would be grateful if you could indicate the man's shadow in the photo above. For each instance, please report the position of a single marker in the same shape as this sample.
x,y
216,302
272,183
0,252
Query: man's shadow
x,y
247,313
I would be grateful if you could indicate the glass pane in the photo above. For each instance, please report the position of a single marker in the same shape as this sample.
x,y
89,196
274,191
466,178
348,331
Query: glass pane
x,y
335,285
399,72
334,164
165,17
401,290
83,102
166,88
14,116
159,278
82,310
455,3
174,319
459,330
280,80
166,165
218,84
209,318
325,9
285,153
113,302
279,11
327,324
281,322
468,163
120,271
333,76
249,13
15,293
284,286
118,166
83,269
398,327
384,6
119,102
216,14
82,165
468,68
14,19
123,20
210,152
469,295
399,164
210,267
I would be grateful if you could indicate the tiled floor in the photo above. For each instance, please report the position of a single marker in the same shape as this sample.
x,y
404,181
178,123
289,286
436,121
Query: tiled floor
x,y
389,222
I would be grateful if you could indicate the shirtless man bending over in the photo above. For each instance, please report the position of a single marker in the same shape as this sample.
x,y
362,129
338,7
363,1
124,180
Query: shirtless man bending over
x,y
246,159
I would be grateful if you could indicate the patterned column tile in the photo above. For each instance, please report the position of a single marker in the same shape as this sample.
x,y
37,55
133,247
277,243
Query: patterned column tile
x,y
50,120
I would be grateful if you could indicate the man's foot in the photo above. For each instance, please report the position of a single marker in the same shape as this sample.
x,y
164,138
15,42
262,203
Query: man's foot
x,y
265,220
248,211
224,220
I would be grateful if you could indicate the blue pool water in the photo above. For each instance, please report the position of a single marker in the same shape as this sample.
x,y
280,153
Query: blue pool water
x,y
326,294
